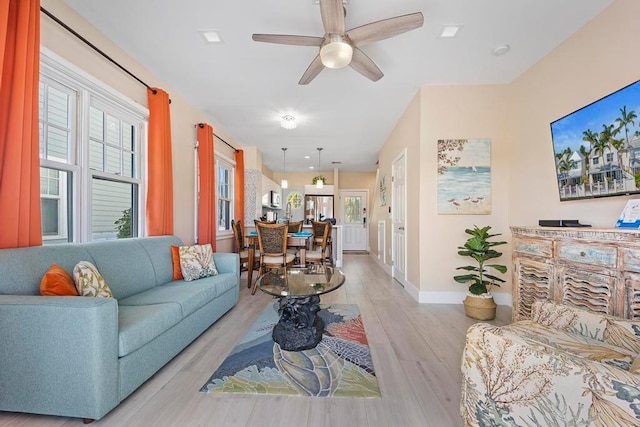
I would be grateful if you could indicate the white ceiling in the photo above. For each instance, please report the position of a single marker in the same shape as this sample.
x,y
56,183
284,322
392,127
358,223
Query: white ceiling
x,y
244,87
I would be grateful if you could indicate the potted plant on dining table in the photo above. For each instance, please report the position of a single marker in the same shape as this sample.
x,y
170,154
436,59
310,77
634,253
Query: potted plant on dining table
x,y
479,303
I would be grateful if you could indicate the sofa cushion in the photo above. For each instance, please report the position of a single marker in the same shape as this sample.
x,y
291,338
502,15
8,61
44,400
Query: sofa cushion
x,y
138,325
196,262
575,344
189,295
89,281
57,282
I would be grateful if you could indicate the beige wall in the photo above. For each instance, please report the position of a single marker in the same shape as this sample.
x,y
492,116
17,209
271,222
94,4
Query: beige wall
x,y
597,60
461,112
405,135
600,58
183,116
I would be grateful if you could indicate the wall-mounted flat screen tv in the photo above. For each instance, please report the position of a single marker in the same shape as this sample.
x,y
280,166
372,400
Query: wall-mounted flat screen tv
x,y
597,148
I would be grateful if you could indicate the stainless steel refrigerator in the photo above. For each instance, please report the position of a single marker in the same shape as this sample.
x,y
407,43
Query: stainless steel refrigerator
x,y
317,208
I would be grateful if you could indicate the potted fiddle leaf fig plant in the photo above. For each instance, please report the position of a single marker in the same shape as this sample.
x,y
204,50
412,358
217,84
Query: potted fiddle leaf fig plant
x,y
479,303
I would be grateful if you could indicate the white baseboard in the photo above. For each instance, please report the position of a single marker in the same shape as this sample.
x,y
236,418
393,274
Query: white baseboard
x,y
428,297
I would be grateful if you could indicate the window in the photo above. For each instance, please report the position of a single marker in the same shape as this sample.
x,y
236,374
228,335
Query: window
x,y
596,160
91,156
609,157
225,173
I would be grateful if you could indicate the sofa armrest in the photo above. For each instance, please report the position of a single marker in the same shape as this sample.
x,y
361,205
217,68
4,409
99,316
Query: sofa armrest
x,y
506,376
59,355
227,262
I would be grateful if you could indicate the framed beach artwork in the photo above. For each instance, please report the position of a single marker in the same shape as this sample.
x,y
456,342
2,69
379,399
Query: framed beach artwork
x,y
464,176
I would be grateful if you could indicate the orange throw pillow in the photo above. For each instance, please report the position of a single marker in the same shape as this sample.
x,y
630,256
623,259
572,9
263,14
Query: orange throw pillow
x,y
57,282
175,259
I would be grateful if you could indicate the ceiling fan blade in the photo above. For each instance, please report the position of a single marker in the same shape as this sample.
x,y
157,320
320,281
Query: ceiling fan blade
x,y
288,39
384,29
365,66
312,71
332,13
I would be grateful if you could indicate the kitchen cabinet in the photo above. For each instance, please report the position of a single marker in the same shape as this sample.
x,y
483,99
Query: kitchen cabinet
x,y
594,269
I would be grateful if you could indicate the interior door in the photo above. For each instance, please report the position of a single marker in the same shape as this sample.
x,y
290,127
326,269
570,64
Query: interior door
x,y
353,218
398,218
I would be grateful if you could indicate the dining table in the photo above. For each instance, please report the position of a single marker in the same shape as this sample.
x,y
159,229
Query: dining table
x,y
300,240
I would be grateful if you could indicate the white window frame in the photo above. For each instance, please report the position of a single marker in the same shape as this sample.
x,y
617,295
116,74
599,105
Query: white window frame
x,y
91,91
221,159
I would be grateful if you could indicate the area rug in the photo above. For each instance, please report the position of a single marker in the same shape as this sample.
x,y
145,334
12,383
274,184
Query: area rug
x,y
339,366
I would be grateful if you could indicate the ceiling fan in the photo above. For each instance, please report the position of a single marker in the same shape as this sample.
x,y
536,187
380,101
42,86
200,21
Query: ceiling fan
x,y
338,47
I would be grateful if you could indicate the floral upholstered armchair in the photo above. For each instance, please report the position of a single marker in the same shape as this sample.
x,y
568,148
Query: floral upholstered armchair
x,y
565,367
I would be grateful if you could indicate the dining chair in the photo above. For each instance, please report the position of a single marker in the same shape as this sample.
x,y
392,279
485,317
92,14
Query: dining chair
x,y
243,250
272,240
322,239
294,227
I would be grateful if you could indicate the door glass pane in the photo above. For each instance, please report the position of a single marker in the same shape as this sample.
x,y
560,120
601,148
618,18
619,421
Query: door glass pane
x,y
112,210
352,210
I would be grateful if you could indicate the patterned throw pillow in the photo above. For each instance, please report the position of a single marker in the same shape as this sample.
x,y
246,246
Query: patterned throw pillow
x,y
196,262
89,281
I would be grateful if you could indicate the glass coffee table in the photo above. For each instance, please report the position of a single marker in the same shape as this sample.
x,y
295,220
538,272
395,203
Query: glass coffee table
x,y
298,293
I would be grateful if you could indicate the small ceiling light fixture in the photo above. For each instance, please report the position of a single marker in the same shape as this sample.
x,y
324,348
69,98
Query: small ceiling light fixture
x,y
501,49
211,36
449,31
336,52
284,183
288,122
319,183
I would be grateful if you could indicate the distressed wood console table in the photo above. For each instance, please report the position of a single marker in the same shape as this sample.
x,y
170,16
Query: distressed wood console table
x,y
590,268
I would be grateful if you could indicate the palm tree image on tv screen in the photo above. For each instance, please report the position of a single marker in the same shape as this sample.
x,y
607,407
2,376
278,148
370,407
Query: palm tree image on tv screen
x,y
597,148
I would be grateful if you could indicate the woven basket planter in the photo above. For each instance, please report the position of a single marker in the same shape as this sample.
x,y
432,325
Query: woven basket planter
x,y
480,308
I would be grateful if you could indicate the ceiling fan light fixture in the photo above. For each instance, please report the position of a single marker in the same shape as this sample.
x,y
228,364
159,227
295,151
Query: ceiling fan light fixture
x,y
336,53
288,122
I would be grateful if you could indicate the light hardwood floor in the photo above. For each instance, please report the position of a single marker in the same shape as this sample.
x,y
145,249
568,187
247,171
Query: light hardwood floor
x,y
416,350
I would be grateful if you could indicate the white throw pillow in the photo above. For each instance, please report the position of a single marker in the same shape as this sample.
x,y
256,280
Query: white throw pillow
x,y
89,282
196,262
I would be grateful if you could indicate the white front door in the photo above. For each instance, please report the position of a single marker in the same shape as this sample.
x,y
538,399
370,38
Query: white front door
x,y
398,218
353,218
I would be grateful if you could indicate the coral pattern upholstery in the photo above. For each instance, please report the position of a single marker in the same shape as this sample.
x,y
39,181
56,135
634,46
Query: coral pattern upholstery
x,y
566,366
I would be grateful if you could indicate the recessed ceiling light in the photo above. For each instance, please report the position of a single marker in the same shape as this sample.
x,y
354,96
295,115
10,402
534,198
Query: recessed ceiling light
x,y
310,167
211,36
449,31
501,49
307,157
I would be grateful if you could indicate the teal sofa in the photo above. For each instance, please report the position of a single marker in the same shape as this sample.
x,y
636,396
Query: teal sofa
x,y
81,356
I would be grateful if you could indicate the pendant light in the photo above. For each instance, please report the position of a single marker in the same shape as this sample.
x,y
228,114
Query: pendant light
x,y
320,182
284,183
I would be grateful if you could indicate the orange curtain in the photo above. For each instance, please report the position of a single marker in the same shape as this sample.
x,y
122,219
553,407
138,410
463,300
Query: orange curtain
x,y
159,166
239,190
207,187
19,146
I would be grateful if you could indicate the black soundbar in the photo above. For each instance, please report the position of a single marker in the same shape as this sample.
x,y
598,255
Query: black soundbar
x,y
561,223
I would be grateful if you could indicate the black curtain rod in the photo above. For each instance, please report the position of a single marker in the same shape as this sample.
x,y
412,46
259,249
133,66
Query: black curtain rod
x,y
94,47
201,125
